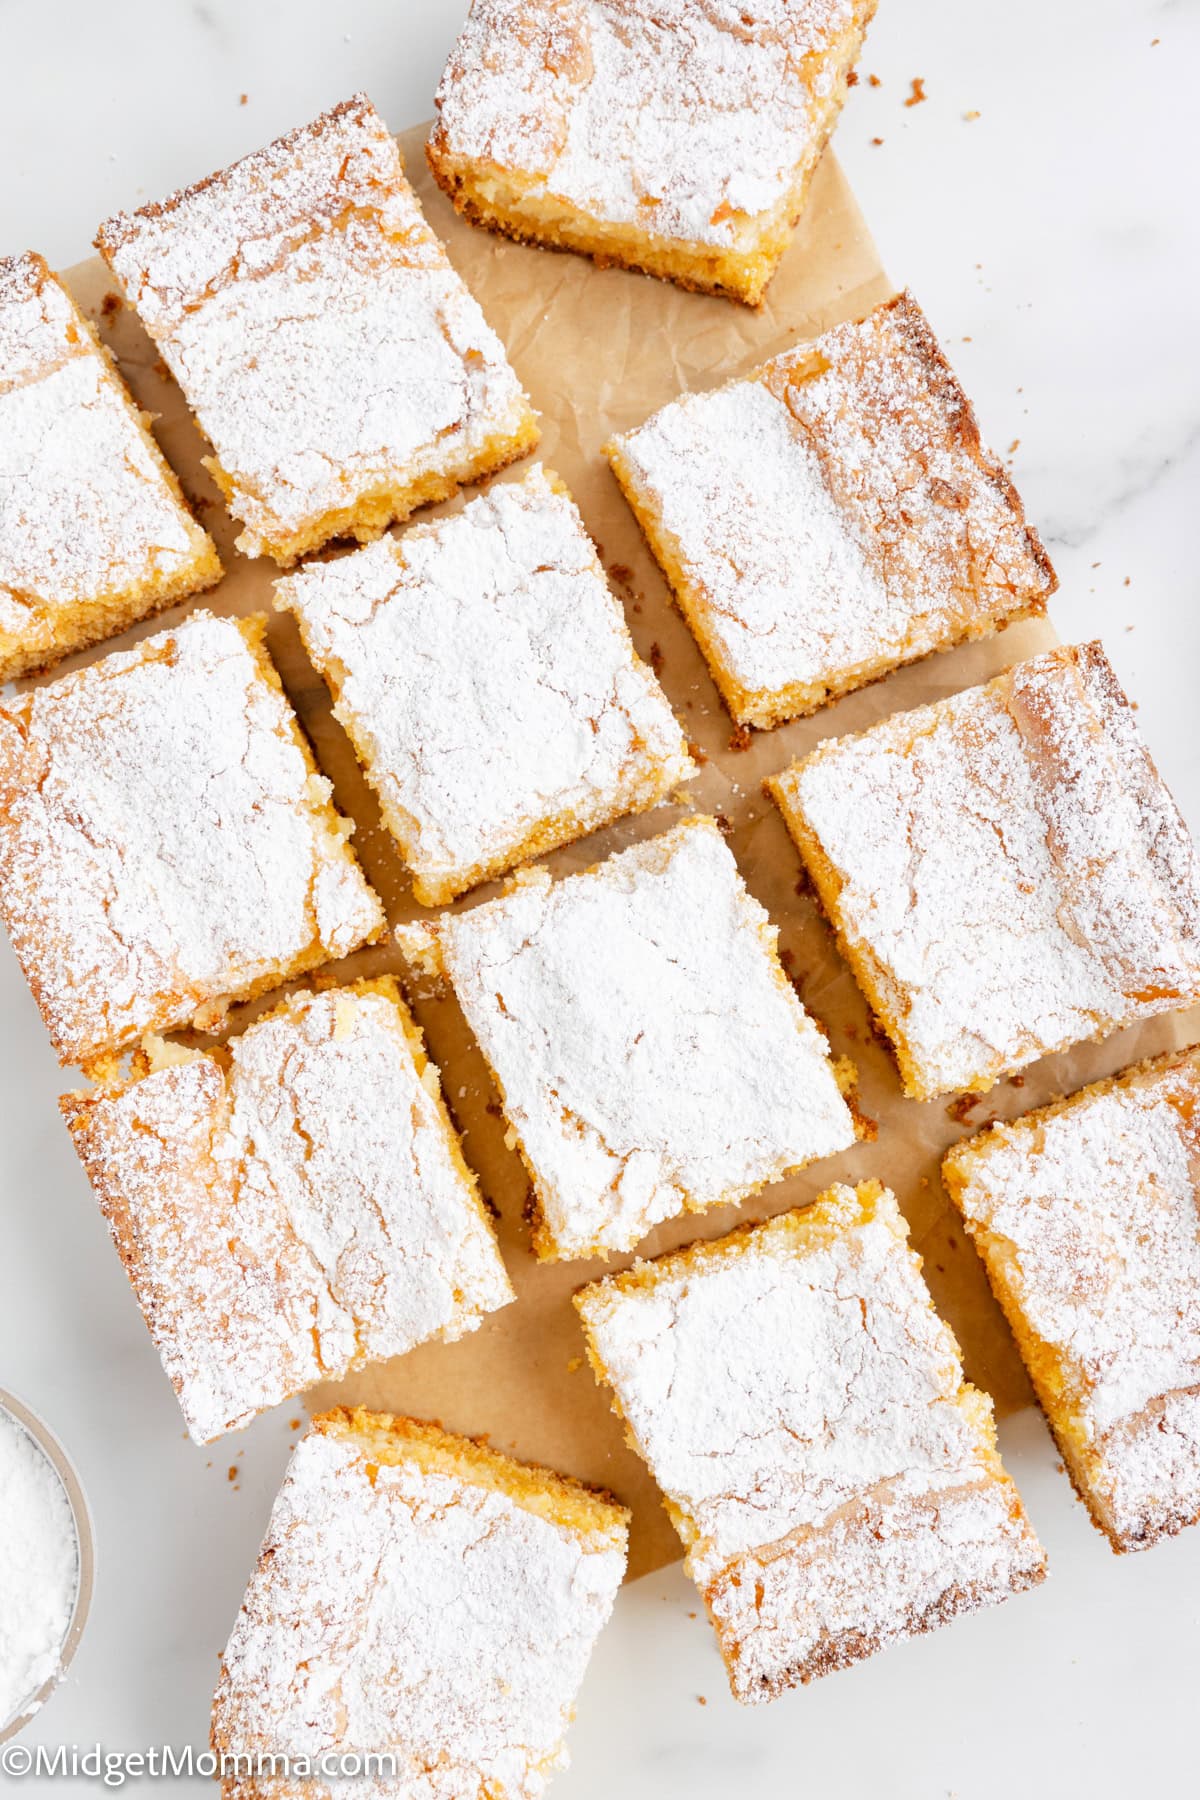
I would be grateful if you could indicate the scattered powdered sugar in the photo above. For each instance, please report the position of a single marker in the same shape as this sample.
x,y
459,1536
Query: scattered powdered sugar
x,y
679,118
1013,865
165,840
486,676
802,1407
315,325
405,1608
39,1567
1087,1219
85,504
301,1216
835,509
651,1053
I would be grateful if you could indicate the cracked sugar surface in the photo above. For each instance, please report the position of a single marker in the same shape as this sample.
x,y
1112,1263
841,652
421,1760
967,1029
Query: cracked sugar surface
x,y
303,1214
651,1053
775,1380
677,118
486,675
85,506
164,838
836,509
795,1395
1013,865
1087,1219
404,1607
315,325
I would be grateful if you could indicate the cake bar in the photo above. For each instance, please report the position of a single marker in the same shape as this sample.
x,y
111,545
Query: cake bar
x,y
94,532
1085,1214
834,1480
486,678
334,359
1005,870
292,1209
670,137
419,1595
166,843
650,1052
831,516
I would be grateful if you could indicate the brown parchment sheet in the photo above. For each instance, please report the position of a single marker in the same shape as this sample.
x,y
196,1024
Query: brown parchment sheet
x,y
597,351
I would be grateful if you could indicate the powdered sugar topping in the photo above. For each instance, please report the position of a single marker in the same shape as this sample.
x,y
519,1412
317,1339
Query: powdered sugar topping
x,y
677,117
85,505
835,510
298,1217
1089,1218
315,325
484,671
164,840
1013,865
771,1386
651,1053
407,1608
802,1407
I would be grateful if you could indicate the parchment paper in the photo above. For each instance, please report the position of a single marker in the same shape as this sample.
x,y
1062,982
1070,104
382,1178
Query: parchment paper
x,y
597,351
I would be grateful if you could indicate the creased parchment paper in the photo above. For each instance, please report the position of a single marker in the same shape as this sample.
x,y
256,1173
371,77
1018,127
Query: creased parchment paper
x,y
597,351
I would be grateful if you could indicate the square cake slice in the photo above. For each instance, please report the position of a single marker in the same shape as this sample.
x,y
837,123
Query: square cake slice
x,y
488,682
166,843
650,1052
94,531
1087,1216
424,1598
292,1208
834,1480
1005,870
670,137
334,359
831,516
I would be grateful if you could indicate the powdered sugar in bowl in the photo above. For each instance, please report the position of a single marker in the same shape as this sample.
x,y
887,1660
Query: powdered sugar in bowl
x,y
46,1563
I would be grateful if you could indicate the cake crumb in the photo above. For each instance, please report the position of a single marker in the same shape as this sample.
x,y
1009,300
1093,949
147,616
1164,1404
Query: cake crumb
x,y
917,93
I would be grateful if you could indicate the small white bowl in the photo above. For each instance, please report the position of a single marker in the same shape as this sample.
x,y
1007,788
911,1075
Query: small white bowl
x,y
63,1467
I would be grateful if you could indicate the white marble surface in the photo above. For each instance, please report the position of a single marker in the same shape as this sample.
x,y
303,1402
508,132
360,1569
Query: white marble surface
x,y
1053,239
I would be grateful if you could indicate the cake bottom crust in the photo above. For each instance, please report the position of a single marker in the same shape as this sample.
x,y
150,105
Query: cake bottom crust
x,y
500,202
52,631
390,502
646,785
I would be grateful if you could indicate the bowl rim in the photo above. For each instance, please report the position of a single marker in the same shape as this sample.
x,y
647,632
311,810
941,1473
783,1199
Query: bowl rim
x,y
85,1540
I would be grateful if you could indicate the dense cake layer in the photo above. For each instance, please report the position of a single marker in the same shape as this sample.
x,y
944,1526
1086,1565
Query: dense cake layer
x,y
835,1482
831,516
651,1054
1012,875
94,532
1085,1214
489,685
422,1595
670,137
336,362
165,840
293,1210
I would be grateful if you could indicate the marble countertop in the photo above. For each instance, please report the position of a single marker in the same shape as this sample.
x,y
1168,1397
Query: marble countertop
x,y
1037,204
